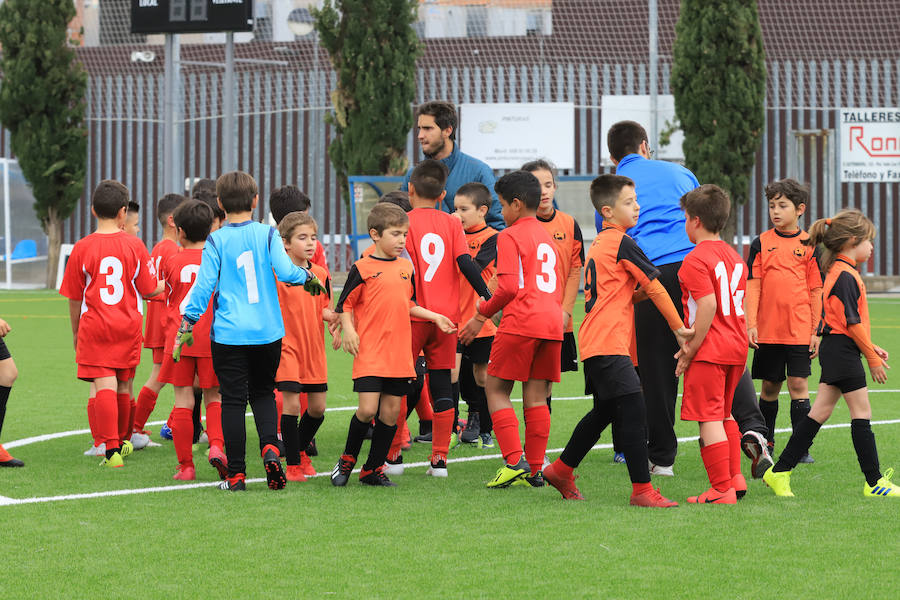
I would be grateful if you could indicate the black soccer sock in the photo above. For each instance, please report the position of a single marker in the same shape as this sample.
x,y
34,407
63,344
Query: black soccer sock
x,y
4,397
381,444
802,438
583,438
198,425
355,436
548,404
307,428
290,437
630,435
769,411
454,394
799,409
486,423
866,452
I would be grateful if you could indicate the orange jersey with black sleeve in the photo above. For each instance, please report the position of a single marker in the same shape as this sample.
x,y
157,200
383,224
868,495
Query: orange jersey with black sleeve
x,y
784,288
845,308
304,329
179,272
482,245
154,329
434,242
566,233
380,292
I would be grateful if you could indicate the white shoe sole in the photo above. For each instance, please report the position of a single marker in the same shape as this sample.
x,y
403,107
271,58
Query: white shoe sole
x,y
661,471
435,472
390,469
96,450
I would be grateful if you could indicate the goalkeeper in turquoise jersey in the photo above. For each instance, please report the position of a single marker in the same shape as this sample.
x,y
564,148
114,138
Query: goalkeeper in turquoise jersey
x,y
239,265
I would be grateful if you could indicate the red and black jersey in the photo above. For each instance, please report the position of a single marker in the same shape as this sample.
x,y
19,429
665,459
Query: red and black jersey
x,y
566,234
482,244
434,242
844,299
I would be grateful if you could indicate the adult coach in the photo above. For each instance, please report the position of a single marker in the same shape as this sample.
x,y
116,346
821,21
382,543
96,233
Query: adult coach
x,y
436,124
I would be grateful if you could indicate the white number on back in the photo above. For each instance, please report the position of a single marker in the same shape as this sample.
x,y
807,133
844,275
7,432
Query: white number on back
x,y
245,261
188,275
728,289
432,249
546,279
112,268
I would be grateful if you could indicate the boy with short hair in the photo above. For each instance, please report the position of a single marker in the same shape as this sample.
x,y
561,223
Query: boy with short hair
x,y
527,345
784,305
615,267
105,277
381,294
437,247
205,191
713,278
132,224
288,199
240,263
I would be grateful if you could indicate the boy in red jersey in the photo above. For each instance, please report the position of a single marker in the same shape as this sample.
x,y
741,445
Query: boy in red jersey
x,y
380,292
105,277
437,246
784,304
528,342
303,368
193,220
154,334
615,267
713,281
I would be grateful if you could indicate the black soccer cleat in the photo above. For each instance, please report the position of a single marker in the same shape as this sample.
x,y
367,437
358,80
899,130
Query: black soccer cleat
x,y
311,449
375,478
341,472
470,435
274,471
234,484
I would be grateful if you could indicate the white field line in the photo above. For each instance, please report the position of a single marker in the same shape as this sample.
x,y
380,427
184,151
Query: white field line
x,y
187,486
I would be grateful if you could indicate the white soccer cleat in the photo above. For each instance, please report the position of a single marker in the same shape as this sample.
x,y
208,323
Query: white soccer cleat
x,y
393,468
661,470
140,440
96,450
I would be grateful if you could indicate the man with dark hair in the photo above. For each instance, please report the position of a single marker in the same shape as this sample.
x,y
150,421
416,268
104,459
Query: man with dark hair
x,y
436,124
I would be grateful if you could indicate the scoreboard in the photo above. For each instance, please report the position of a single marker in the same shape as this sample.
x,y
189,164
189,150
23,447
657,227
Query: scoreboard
x,y
191,16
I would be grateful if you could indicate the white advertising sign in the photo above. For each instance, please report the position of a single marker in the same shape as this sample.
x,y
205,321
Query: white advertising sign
x,y
637,108
870,145
507,135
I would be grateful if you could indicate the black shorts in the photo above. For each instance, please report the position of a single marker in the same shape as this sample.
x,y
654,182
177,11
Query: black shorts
x,y
771,360
300,388
840,362
608,377
4,351
392,386
569,354
478,352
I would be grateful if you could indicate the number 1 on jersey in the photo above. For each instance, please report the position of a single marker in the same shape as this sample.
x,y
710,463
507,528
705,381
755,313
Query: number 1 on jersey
x,y
245,261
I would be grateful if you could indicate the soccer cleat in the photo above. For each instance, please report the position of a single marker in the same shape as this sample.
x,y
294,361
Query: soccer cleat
x,y
139,440
779,482
470,434
806,459
485,441
165,432
661,470
306,465
564,485
423,438
126,449
312,449
6,460
508,474
295,473
375,478
619,458
236,483
272,463
454,441
185,474
113,462
536,480
218,460
756,448
652,499
341,472
714,496
740,485
96,450
204,438
884,488
394,467
438,467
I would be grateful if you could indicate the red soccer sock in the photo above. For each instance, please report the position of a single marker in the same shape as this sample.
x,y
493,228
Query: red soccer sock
x,y
563,469
182,423
716,460
506,430
537,432
640,488
106,415
124,417
304,402
734,446
131,412
397,442
146,402
214,424
423,408
92,420
279,408
442,427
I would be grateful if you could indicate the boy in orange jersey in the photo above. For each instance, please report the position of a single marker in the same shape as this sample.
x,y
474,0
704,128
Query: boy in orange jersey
x,y
784,305
303,368
527,345
437,248
380,297
713,280
105,277
615,267
154,337
193,220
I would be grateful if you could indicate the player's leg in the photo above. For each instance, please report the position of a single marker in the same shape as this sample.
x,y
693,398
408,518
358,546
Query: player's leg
x,y
746,411
630,436
231,365
313,416
148,394
263,363
369,391
212,399
8,375
372,472
125,411
768,366
99,447
182,424
486,424
798,372
106,414
468,392
704,401
506,428
537,422
454,394
290,431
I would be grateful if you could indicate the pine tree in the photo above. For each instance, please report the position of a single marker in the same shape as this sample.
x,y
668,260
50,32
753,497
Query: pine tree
x,y
42,105
373,49
719,82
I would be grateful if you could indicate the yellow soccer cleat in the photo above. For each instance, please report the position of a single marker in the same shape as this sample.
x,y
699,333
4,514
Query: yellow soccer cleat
x,y
779,482
884,488
113,462
127,449
507,474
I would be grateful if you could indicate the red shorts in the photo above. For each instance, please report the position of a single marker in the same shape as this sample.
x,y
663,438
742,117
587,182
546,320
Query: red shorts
x,y
158,354
91,372
709,391
520,358
438,347
182,373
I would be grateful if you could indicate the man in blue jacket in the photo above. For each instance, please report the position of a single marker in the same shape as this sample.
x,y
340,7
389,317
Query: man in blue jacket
x,y
436,124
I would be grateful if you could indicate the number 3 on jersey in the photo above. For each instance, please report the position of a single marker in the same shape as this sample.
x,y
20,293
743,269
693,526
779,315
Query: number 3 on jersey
x,y
546,279
111,267
728,289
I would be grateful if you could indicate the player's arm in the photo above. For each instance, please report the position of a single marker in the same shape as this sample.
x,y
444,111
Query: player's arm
x,y
4,328
443,323
846,292
350,338
74,318
753,290
814,282
706,311
570,291
472,273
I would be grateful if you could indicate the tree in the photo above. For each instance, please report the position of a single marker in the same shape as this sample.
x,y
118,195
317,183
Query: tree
x,y
373,47
42,105
719,83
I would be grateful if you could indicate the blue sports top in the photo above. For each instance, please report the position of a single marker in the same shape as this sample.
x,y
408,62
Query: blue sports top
x,y
237,265
659,186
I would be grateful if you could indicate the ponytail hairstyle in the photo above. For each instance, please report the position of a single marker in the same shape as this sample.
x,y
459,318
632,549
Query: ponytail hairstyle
x,y
848,226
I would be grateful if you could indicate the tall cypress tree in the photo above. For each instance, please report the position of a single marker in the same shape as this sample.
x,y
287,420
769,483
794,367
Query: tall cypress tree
x,y
42,105
373,48
719,83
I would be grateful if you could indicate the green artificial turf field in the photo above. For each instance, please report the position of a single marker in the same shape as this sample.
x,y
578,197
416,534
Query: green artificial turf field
x,y
426,538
